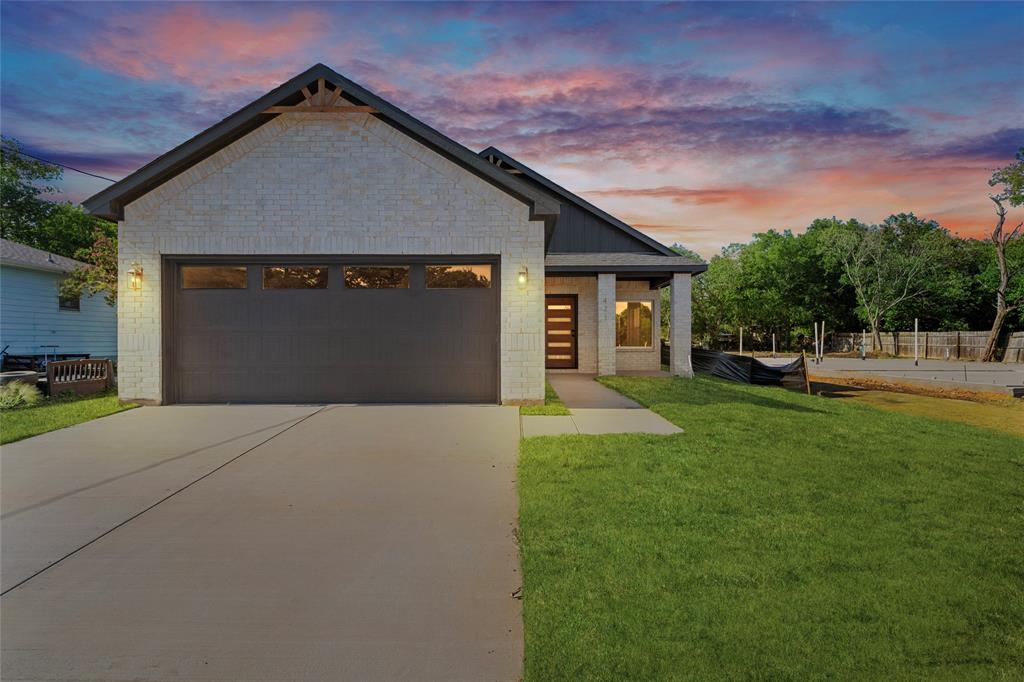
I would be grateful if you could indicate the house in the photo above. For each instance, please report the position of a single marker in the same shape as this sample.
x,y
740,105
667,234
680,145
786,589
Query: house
x,y
322,245
36,320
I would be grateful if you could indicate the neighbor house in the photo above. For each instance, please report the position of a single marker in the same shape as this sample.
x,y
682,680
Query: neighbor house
x,y
36,320
322,245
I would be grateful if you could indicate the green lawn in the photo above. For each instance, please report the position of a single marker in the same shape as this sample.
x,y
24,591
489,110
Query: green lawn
x,y
782,536
50,415
553,405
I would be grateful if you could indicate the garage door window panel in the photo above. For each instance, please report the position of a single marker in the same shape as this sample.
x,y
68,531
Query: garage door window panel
x,y
214,277
458,276
377,277
289,277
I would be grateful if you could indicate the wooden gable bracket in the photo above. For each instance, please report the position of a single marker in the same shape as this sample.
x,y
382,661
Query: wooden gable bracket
x,y
321,102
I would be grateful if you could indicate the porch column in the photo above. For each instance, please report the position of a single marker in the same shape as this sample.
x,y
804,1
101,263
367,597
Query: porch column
x,y
606,323
679,325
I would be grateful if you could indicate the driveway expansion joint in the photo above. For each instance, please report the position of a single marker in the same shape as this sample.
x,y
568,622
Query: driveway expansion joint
x,y
157,503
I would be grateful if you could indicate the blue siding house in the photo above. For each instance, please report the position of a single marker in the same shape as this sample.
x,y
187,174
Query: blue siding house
x,y
35,320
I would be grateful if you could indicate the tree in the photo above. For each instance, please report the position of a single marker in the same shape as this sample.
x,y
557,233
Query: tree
x,y
886,265
1011,177
22,181
28,217
100,275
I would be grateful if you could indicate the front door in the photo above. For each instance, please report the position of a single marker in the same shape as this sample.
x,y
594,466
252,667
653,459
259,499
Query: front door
x,y
560,332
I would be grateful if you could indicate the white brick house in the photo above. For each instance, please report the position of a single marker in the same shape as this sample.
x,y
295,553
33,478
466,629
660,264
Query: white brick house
x,y
321,245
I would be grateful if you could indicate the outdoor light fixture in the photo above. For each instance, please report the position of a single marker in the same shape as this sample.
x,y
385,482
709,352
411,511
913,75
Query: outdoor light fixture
x,y
135,277
524,274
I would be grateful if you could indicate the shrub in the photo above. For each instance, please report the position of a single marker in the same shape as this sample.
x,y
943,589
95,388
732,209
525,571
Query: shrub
x,y
18,394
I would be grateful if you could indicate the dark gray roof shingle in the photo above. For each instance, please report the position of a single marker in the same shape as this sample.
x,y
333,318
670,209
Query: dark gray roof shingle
x,y
13,253
643,261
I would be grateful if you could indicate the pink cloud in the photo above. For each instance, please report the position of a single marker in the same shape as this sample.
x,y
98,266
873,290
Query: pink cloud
x,y
746,196
192,44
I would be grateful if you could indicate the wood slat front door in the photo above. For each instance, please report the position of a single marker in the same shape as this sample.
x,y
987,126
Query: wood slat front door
x,y
560,332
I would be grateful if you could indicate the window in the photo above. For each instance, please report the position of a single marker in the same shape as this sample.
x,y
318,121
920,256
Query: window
x,y
287,277
458,276
214,276
377,276
634,326
69,302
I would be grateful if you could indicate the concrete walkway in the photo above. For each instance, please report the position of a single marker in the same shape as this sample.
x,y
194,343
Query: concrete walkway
x,y
580,391
343,543
594,410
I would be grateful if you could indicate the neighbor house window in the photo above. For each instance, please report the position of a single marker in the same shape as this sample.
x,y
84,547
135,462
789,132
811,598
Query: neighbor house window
x,y
214,276
634,324
377,276
458,276
69,302
287,277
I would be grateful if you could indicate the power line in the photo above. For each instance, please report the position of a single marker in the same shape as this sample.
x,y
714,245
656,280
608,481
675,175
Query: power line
x,y
54,163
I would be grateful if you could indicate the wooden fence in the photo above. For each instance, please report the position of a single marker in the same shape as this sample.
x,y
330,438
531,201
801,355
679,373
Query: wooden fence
x,y
934,345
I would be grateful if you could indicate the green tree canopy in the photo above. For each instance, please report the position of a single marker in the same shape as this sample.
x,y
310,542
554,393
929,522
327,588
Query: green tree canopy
x,y
27,214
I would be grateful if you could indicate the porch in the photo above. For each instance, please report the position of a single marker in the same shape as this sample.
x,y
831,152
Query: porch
x,y
603,313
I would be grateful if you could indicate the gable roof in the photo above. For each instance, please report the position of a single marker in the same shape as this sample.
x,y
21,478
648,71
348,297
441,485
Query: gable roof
x,y
563,193
22,256
110,202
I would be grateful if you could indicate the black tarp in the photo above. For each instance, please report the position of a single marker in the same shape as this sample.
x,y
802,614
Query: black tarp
x,y
748,370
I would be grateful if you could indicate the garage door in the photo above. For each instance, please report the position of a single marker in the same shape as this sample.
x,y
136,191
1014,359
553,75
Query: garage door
x,y
375,331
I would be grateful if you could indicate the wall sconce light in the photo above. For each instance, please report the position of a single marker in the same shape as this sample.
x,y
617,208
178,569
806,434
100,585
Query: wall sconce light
x,y
135,277
524,276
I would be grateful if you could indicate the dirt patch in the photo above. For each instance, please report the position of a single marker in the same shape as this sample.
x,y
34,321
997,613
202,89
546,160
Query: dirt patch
x,y
895,386
991,411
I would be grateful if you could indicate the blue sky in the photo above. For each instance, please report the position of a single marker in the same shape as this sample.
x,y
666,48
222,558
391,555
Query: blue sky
x,y
698,123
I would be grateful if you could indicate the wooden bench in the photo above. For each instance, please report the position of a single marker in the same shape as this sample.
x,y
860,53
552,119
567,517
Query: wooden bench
x,y
79,376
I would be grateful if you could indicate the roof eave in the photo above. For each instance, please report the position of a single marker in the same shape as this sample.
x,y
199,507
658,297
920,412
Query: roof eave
x,y
55,269
644,270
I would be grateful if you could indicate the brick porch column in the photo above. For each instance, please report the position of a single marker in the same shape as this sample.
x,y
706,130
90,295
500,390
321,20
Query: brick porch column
x,y
606,323
679,325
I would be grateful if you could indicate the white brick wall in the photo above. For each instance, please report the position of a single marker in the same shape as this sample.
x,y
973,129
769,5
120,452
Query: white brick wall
x,y
330,184
679,325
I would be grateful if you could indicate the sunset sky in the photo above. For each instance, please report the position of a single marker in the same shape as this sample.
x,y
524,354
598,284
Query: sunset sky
x,y
697,123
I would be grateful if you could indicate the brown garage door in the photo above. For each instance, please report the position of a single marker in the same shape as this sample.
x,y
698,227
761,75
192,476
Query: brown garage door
x,y
337,330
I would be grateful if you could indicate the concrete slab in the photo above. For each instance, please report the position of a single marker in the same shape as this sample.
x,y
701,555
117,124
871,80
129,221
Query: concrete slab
x,y
62,489
580,390
600,421
990,377
365,543
535,425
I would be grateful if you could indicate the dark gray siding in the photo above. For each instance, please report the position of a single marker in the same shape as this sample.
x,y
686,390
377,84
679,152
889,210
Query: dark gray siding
x,y
578,231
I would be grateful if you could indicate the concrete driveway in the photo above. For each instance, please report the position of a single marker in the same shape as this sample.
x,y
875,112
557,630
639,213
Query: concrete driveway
x,y
264,543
